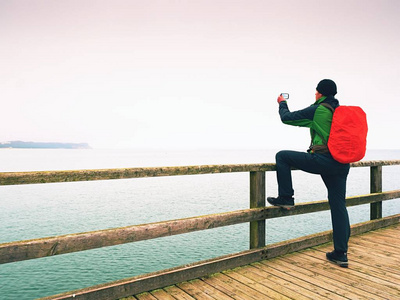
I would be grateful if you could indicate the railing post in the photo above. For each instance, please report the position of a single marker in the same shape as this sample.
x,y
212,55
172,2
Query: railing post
x,y
376,187
257,199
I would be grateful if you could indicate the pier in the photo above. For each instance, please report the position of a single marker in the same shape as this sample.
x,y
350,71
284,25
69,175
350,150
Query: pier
x,y
374,273
291,269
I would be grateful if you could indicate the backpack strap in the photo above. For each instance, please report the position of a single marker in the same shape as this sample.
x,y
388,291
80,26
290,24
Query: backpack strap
x,y
328,106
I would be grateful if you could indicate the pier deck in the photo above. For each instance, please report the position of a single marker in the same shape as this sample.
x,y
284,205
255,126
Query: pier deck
x,y
373,273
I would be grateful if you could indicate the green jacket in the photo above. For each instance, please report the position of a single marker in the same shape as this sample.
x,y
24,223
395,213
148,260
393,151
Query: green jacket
x,y
316,117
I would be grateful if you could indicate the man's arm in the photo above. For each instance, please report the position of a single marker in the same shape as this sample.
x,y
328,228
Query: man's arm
x,y
302,118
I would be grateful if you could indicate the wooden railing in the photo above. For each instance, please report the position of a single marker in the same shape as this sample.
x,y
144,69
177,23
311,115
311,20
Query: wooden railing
x,y
255,215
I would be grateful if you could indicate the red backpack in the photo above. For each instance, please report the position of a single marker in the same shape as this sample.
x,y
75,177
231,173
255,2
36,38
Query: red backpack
x,y
347,141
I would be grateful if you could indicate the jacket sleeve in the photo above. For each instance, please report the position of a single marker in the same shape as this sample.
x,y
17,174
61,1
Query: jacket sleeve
x,y
302,118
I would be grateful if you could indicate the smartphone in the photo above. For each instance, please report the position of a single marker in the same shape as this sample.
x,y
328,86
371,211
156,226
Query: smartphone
x,y
285,95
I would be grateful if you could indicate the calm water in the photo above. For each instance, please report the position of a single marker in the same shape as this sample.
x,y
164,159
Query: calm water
x,y
33,211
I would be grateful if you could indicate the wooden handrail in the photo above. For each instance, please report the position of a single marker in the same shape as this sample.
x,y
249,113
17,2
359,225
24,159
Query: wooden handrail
x,y
36,248
14,178
255,215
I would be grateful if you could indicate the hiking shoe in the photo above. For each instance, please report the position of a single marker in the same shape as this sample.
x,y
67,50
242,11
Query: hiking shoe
x,y
285,202
338,258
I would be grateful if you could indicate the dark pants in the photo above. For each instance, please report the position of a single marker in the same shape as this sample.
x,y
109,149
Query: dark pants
x,y
334,175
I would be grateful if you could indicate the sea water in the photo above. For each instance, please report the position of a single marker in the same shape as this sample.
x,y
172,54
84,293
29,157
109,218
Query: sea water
x,y
41,210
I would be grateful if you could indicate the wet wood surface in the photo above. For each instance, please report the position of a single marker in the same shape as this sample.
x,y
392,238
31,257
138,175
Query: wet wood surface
x,y
373,273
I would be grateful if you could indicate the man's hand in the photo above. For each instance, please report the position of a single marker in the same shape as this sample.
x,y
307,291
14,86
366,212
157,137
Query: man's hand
x,y
280,99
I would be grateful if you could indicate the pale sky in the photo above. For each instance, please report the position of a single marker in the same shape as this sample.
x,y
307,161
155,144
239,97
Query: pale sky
x,y
194,73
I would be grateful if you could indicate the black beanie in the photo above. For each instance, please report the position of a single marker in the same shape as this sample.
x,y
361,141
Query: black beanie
x,y
327,87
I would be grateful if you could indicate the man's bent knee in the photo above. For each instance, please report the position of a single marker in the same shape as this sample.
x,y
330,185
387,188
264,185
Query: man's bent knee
x,y
281,155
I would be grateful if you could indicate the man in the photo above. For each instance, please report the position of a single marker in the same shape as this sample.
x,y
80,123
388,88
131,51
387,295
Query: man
x,y
317,160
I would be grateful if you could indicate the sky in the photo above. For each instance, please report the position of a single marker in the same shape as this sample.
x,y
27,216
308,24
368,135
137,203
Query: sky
x,y
175,74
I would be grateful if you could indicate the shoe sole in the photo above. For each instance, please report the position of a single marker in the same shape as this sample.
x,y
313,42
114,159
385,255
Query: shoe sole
x,y
287,207
343,264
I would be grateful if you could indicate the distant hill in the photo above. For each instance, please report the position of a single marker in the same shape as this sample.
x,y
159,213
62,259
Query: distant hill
x,y
40,145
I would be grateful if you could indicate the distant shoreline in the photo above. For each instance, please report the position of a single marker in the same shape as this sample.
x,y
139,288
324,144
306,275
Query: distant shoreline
x,y
42,145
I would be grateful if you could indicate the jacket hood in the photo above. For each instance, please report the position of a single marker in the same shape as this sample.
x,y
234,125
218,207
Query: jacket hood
x,y
332,101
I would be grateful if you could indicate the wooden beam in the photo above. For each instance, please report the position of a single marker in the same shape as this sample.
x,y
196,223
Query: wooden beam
x,y
374,163
24,250
257,200
376,187
14,178
30,249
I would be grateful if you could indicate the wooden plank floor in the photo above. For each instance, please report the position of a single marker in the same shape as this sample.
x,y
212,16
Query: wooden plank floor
x,y
373,273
